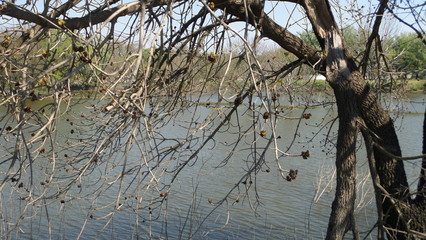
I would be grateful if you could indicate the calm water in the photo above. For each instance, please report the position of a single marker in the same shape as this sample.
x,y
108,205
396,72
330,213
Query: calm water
x,y
209,199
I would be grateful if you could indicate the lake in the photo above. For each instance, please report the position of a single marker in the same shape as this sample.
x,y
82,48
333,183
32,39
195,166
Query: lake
x,y
229,189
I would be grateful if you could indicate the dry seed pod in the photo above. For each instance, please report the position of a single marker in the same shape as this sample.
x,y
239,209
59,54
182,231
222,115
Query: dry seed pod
x,y
266,115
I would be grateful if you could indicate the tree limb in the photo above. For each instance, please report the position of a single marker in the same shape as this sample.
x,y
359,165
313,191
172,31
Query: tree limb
x,y
90,19
374,34
419,34
270,29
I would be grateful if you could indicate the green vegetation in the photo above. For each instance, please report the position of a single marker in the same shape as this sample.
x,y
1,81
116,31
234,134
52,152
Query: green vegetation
x,y
416,85
410,55
405,53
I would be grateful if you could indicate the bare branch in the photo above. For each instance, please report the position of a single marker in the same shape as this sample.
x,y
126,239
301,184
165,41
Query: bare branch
x,y
374,34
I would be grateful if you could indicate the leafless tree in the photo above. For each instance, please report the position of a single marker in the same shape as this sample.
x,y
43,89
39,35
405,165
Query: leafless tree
x,y
144,63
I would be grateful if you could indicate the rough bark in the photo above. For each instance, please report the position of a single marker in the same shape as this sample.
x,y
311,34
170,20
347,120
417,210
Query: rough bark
x,y
393,183
391,171
341,79
342,218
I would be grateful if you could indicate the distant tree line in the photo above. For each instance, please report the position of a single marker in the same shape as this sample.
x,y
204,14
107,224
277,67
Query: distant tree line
x,y
405,54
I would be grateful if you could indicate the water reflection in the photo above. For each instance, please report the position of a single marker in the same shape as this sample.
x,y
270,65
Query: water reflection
x,y
212,198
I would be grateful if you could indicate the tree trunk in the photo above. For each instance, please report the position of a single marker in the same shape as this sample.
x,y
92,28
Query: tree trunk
x,y
355,99
342,218
340,78
391,171
357,104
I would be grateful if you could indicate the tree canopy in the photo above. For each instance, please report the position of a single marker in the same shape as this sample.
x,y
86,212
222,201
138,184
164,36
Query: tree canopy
x,y
409,53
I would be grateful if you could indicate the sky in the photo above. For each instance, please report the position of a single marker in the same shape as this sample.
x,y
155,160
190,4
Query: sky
x,y
290,15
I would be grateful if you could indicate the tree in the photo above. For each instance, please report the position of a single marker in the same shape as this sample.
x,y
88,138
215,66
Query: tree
x,y
352,36
409,52
186,41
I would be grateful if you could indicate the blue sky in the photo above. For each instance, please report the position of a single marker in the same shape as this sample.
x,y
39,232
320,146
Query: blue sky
x,y
288,14
291,16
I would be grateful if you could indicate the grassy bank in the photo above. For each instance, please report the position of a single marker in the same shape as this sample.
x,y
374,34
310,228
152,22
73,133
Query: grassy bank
x,y
416,85
405,85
